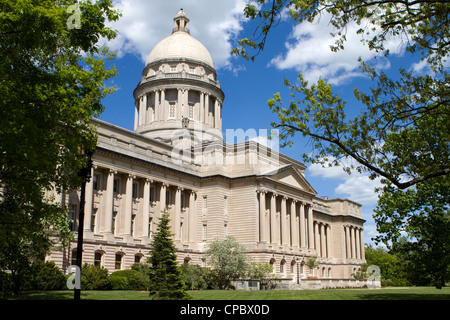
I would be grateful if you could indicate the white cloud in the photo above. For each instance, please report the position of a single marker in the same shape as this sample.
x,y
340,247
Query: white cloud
x,y
144,23
308,51
356,187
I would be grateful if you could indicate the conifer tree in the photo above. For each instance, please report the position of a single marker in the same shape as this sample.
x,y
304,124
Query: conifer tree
x,y
166,282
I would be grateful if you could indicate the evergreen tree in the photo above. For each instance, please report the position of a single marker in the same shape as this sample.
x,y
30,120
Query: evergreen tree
x,y
166,282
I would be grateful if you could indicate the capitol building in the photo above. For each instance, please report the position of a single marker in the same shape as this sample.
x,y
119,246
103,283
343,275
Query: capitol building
x,y
177,160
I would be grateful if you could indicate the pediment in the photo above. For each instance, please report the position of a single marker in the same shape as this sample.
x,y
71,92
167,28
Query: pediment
x,y
290,176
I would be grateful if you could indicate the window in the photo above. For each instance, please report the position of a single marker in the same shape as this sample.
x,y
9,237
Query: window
x,y
133,224
74,257
71,217
135,190
225,203
96,182
225,230
191,111
137,258
172,110
114,221
116,186
98,258
205,202
204,232
118,261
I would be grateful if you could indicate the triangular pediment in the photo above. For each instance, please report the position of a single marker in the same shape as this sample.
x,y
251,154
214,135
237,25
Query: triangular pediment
x,y
290,176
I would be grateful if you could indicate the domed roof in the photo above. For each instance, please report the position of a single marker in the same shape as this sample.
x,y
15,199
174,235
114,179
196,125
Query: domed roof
x,y
180,44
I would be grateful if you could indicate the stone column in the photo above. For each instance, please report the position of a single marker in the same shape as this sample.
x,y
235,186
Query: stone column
x,y
162,109
262,215
180,104
284,233
207,120
294,225
146,209
191,226
353,237
216,114
363,256
317,238
273,220
177,214
202,107
109,202
310,227
358,244
143,110
128,206
88,203
347,242
162,197
302,226
157,105
323,243
136,114
329,242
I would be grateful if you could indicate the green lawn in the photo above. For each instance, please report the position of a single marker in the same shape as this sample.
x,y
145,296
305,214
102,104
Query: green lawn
x,y
409,293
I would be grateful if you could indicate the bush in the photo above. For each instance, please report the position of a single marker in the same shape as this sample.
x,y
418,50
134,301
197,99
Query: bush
x,y
128,280
46,276
94,278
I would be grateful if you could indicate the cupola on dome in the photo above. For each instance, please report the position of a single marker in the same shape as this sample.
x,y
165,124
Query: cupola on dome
x,y
180,45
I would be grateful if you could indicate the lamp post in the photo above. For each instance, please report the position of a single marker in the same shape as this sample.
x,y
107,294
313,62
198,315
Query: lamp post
x,y
84,173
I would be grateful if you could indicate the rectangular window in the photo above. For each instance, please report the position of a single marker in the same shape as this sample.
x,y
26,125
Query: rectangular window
x,y
205,202
225,203
116,186
98,259
96,181
191,111
118,262
135,189
204,232
172,110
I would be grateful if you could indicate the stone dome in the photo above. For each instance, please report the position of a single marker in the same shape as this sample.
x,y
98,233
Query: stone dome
x,y
180,45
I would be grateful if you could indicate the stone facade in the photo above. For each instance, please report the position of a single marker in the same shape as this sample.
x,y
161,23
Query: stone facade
x,y
176,159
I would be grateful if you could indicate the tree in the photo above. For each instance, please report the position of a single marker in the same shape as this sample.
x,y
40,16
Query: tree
x,y
53,77
401,134
412,110
263,272
227,257
165,281
415,223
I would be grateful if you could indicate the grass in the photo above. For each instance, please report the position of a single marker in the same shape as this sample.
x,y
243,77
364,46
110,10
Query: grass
x,y
403,293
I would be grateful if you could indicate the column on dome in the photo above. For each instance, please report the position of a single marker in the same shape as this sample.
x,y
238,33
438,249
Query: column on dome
x,y
157,105
142,109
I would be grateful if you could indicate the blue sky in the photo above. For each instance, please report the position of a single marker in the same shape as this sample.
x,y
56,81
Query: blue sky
x,y
290,49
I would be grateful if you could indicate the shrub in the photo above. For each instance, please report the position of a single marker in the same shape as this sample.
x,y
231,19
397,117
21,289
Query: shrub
x,y
46,276
128,280
94,278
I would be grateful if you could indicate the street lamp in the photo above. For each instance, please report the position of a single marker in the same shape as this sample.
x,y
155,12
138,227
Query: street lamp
x,y
84,173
